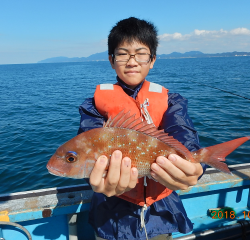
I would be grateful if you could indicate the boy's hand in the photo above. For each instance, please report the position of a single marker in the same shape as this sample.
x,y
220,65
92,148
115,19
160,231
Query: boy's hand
x,y
175,172
119,179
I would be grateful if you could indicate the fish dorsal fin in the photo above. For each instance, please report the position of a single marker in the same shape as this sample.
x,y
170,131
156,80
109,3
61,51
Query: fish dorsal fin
x,y
124,120
179,147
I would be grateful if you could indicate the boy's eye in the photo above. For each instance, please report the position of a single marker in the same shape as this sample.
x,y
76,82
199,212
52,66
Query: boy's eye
x,y
121,54
142,54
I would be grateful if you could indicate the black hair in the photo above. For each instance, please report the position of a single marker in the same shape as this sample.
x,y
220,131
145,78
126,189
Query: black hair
x,y
133,29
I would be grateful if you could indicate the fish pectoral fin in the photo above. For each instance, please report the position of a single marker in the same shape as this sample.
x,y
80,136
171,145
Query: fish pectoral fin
x,y
150,177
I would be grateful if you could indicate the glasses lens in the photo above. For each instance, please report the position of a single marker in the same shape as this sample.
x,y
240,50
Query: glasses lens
x,y
124,57
142,57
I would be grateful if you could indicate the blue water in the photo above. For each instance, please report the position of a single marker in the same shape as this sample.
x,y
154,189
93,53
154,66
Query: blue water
x,y
39,109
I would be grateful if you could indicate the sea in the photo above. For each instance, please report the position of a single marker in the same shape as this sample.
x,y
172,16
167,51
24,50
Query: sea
x,y
39,109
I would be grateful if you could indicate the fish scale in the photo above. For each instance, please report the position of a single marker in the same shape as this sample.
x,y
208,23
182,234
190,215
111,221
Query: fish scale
x,y
141,148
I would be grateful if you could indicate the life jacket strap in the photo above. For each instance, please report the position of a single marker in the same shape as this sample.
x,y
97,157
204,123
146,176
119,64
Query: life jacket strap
x,y
144,111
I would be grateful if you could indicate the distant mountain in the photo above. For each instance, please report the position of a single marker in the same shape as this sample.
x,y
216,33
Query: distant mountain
x,y
103,56
181,55
197,54
61,59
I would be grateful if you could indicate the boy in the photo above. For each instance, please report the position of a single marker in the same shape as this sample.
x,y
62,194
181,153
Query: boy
x,y
117,210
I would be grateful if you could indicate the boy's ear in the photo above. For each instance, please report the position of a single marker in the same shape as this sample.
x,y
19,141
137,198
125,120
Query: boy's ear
x,y
111,61
152,62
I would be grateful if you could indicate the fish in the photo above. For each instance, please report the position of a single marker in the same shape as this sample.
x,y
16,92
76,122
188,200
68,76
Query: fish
x,y
136,139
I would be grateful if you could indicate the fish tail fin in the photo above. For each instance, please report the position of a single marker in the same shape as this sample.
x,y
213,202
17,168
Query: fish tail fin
x,y
214,156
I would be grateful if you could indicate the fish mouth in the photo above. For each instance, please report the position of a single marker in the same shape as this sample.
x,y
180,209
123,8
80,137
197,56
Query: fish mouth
x,y
55,172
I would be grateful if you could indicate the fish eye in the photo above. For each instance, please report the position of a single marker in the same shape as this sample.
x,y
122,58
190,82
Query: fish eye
x,y
71,157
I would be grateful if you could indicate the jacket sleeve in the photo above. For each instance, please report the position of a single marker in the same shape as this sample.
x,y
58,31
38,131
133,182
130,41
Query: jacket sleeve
x,y
90,117
177,123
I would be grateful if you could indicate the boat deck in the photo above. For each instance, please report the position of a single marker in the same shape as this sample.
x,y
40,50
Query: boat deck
x,y
62,213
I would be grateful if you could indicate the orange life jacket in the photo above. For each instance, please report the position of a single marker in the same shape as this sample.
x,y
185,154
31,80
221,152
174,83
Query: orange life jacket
x,y
110,100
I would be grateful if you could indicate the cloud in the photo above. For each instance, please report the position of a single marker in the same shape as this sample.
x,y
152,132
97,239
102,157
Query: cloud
x,y
204,33
240,31
207,41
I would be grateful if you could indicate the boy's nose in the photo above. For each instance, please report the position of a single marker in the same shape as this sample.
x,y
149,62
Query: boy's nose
x,y
132,60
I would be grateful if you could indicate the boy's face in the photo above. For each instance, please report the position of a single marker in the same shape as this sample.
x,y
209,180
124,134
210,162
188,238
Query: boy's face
x,y
132,73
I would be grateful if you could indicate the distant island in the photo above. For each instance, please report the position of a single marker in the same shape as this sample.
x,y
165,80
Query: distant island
x,y
103,56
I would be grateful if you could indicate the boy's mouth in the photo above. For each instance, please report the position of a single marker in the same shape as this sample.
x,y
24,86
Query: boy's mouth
x,y
131,72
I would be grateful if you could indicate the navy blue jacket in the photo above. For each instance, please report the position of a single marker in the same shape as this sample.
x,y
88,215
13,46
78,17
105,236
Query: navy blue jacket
x,y
115,218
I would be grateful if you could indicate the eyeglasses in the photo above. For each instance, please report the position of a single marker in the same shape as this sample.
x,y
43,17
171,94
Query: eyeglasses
x,y
139,57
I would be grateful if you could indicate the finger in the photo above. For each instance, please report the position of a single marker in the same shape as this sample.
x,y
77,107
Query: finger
x,y
113,175
125,175
185,166
96,179
171,168
165,178
133,178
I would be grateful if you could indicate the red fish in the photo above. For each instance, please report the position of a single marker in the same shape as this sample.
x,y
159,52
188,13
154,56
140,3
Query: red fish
x,y
141,142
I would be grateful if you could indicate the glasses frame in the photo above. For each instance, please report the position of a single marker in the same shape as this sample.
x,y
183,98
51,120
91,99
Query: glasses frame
x,y
130,55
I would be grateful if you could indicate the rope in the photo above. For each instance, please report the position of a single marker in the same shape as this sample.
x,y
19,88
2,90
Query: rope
x,y
222,90
18,226
143,225
145,181
144,208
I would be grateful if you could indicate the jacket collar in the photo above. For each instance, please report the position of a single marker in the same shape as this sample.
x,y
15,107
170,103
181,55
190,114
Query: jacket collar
x,y
131,92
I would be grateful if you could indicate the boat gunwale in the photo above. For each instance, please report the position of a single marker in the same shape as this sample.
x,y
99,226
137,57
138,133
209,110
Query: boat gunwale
x,y
43,192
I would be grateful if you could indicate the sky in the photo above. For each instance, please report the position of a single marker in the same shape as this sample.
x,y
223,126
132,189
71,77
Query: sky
x,y
33,30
